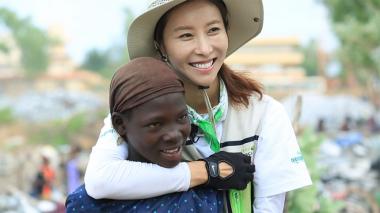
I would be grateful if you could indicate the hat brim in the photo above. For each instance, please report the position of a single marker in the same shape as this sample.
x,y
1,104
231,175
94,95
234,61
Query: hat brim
x,y
245,22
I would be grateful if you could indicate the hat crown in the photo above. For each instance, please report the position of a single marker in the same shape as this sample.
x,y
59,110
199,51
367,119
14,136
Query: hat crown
x,y
157,3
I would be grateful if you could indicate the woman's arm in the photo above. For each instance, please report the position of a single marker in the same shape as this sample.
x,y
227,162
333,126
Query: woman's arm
x,y
109,175
122,179
274,203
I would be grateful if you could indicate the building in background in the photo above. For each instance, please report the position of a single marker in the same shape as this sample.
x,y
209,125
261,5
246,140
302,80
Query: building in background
x,y
59,61
62,71
277,63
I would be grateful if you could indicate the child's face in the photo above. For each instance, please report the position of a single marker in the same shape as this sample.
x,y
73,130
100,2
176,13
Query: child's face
x,y
158,129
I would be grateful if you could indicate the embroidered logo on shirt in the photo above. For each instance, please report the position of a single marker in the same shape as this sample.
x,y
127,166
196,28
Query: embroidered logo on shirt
x,y
298,158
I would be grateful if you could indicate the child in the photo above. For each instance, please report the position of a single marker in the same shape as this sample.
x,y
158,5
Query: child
x,y
149,112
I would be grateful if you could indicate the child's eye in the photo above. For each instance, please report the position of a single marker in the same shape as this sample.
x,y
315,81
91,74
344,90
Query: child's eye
x,y
183,118
154,125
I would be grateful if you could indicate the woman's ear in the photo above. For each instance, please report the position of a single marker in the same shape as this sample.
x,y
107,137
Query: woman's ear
x,y
164,54
119,124
161,50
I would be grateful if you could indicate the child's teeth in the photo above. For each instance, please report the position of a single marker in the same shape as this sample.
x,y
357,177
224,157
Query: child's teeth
x,y
171,150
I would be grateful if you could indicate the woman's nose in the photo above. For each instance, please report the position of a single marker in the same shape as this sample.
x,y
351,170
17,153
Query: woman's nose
x,y
203,46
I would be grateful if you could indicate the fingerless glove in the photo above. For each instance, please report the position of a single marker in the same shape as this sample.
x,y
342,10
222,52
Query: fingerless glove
x,y
242,171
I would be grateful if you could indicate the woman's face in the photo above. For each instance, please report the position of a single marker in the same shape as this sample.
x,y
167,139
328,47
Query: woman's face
x,y
158,129
196,41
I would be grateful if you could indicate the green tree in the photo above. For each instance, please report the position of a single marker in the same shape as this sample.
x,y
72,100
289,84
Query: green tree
x,y
119,52
128,21
6,116
310,51
356,24
4,48
96,60
105,62
32,41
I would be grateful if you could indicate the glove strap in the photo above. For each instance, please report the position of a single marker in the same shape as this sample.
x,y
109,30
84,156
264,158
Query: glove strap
x,y
212,169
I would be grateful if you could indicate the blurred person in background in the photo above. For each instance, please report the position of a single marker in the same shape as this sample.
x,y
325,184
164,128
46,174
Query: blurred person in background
x,y
347,124
321,126
373,125
73,173
44,181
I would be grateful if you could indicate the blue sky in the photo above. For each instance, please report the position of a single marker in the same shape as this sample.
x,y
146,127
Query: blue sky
x,y
91,24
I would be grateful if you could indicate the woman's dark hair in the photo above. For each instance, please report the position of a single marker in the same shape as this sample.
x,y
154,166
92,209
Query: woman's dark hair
x,y
239,86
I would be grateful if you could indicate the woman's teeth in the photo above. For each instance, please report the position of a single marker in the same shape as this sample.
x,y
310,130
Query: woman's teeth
x,y
203,66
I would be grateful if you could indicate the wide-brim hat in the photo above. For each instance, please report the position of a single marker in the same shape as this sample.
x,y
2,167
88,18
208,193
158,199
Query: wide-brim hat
x,y
245,19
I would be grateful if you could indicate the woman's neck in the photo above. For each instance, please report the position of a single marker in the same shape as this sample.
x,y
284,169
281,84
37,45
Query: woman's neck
x,y
195,99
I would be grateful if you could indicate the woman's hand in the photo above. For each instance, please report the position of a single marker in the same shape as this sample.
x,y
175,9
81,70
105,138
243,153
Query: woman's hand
x,y
242,170
222,170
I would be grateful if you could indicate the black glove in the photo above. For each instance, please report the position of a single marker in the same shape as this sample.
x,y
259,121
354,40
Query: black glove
x,y
242,171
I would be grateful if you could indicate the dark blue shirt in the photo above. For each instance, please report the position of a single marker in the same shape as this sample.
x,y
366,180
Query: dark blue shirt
x,y
193,200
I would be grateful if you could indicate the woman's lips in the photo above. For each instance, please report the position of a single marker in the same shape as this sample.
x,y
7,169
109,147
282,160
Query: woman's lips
x,y
203,67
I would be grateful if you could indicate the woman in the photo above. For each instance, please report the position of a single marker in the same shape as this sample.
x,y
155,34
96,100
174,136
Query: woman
x,y
194,37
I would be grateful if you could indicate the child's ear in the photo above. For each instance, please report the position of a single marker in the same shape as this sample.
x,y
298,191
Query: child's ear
x,y
119,124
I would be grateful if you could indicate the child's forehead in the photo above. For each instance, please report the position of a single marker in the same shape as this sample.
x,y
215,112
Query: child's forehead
x,y
174,101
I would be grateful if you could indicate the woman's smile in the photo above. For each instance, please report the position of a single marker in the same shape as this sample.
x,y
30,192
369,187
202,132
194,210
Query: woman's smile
x,y
203,67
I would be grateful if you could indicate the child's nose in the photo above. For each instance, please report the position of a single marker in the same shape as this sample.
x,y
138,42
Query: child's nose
x,y
173,134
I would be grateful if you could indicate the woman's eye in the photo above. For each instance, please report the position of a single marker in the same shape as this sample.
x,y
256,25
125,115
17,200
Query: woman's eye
x,y
186,36
214,29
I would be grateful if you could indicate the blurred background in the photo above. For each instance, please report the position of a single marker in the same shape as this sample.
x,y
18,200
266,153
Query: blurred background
x,y
320,58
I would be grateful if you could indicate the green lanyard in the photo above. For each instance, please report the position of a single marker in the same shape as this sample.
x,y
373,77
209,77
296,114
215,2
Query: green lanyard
x,y
207,128
240,200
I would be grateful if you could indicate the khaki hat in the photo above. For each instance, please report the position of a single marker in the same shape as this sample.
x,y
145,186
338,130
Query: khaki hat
x,y
245,19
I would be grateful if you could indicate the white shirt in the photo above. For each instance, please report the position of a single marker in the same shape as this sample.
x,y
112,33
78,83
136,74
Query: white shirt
x,y
279,162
